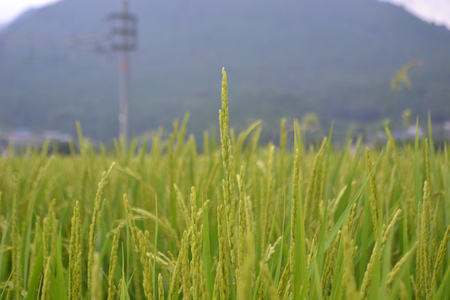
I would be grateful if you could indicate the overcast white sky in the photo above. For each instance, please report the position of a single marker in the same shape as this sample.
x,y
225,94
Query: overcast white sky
x,y
432,10
10,9
437,11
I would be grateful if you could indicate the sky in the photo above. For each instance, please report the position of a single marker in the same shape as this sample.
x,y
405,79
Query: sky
x,y
437,11
10,9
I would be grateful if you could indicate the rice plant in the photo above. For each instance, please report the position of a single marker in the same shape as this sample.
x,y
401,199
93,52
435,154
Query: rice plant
x,y
237,221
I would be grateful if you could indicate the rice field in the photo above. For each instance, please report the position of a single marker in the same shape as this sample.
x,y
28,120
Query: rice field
x,y
236,221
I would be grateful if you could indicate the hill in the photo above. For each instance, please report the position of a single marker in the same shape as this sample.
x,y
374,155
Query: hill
x,y
284,58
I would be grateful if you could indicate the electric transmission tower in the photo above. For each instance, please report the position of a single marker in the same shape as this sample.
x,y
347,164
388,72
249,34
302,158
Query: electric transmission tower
x,y
122,38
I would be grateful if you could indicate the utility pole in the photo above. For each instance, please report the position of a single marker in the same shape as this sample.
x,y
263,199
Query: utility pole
x,y
122,38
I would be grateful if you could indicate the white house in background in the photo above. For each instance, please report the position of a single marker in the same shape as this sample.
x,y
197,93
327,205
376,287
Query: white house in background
x,y
56,136
411,130
446,126
409,133
23,136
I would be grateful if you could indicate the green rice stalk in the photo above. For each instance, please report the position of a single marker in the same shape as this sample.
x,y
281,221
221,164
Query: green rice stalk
x,y
440,255
398,266
373,195
349,276
415,288
329,266
182,134
46,233
294,216
385,232
160,287
223,119
222,269
423,261
283,142
53,227
185,271
176,277
182,206
97,289
163,224
271,250
36,247
287,295
16,260
249,218
312,247
195,243
268,208
228,164
312,255
283,283
246,270
268,281
45,293
297,252
351,221
428,173
368,275
142,248
95,223
112,290
241,225
230,210
218,279
204,293
172,174
314,190
75,260
137,276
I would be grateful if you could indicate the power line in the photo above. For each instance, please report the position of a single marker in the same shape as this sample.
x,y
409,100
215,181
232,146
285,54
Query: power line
x,y
122,38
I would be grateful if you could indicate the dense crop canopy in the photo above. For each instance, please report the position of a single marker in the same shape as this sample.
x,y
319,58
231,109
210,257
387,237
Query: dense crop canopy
x,y
241,222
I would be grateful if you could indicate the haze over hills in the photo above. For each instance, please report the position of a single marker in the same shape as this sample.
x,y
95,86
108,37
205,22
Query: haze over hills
x,y
283,58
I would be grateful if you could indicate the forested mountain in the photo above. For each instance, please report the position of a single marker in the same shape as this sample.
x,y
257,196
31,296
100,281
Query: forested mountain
x,y
283,58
